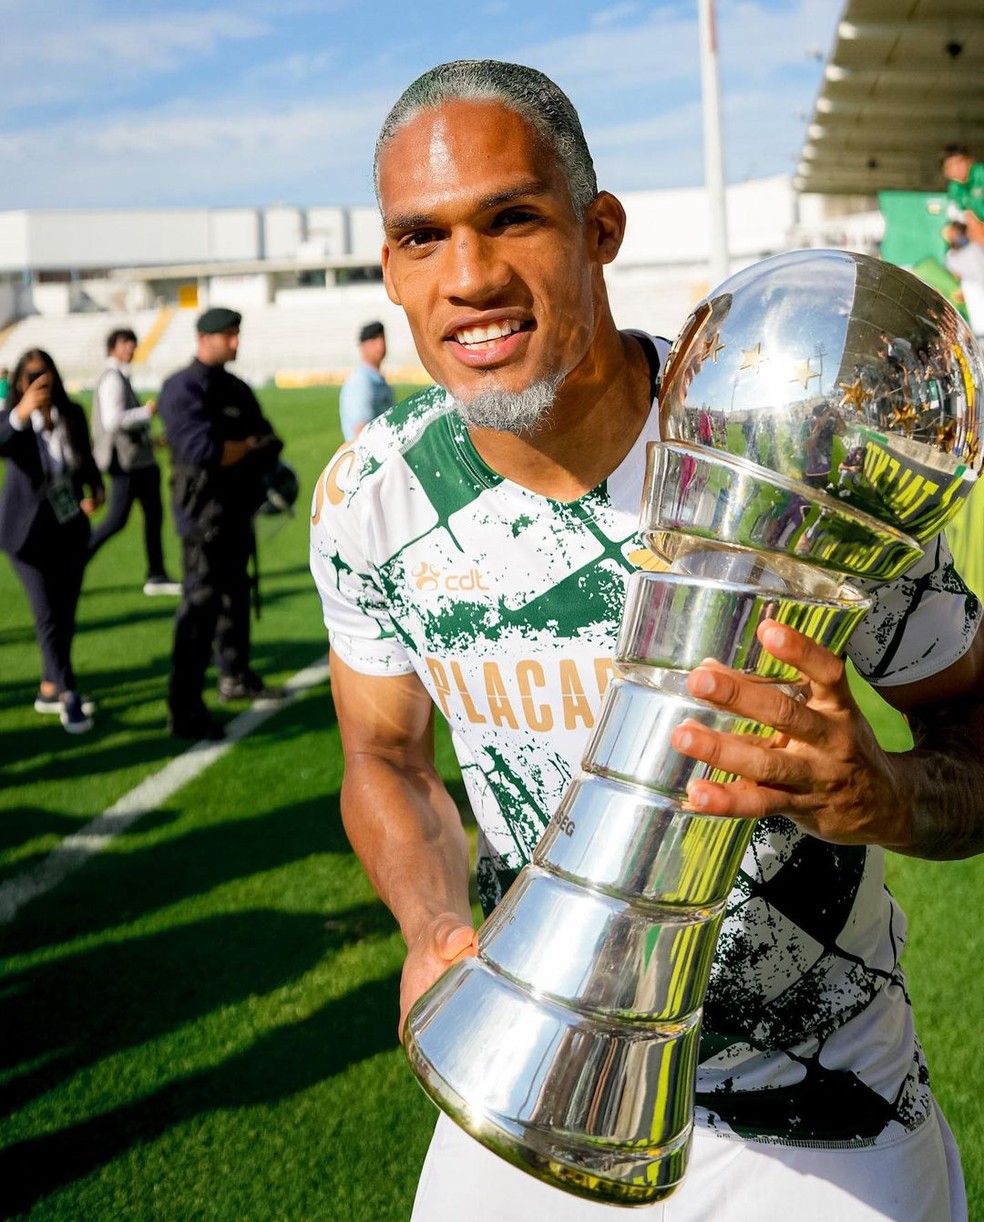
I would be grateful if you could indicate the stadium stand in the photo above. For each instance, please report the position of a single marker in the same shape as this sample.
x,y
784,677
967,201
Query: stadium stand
x,y
314,340
306,336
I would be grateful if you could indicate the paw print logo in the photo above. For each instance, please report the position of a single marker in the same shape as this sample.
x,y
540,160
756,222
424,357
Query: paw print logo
x,y
426,577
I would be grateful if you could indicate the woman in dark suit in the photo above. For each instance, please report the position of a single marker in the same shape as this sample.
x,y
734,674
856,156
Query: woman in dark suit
x,y
52,485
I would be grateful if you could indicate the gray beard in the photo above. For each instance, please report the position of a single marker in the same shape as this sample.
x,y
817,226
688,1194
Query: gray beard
x,y
505,411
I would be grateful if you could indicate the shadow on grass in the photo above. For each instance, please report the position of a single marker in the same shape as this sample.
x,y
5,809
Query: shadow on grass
x,y
17,636
290,1059
68,1013
54,755
89,622
47,829
115,889
28,823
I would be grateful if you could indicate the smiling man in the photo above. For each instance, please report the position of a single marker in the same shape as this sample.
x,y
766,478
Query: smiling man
x,y
471,550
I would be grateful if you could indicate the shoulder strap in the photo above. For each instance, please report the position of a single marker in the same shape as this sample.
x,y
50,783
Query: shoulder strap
x,y
649,346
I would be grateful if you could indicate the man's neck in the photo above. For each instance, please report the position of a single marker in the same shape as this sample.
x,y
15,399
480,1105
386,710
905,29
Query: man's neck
x,y
594,423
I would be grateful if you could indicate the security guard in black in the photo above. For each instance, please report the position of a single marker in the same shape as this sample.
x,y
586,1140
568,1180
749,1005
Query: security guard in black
x,y
222,447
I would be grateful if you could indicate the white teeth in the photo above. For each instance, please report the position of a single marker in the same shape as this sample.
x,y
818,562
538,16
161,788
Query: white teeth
x,y
481,335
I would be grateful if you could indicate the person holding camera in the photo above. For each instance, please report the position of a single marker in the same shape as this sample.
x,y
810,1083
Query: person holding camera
x,y
52,486
123,447
222,450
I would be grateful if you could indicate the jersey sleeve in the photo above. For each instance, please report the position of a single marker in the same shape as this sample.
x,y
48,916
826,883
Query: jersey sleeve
x,y
360,629
919,624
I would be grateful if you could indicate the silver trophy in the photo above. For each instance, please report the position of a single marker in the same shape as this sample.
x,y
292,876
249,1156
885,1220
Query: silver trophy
x,y
821,420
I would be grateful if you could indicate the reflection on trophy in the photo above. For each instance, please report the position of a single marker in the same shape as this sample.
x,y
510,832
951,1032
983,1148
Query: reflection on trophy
x,y
821,421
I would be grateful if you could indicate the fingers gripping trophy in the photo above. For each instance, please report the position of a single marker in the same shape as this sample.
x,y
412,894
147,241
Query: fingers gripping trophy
x,y
821,421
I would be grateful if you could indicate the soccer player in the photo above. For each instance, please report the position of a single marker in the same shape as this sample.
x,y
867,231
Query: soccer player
x,y
471,549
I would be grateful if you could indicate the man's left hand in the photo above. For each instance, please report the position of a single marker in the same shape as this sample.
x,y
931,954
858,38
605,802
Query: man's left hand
x,y
823,767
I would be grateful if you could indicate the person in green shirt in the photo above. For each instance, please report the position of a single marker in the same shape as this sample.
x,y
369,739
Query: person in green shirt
x,y
965,187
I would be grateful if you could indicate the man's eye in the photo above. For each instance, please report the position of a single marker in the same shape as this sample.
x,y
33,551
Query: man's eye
x,y
515,216
419,237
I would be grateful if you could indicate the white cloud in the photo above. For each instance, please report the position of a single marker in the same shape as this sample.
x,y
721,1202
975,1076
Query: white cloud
x,y
613,15
84,51
291,126
175,155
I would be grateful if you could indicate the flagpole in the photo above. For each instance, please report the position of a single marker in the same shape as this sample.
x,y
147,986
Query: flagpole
x,y
718,261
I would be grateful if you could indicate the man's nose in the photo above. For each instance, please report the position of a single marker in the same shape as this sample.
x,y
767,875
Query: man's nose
x,y
475,268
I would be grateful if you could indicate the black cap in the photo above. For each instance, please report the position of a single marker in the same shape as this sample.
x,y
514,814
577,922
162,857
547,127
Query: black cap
x,y
217,319
372,330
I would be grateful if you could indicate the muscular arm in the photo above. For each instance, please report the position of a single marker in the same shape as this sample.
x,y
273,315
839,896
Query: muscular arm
x,y
824,768
401,821
944,772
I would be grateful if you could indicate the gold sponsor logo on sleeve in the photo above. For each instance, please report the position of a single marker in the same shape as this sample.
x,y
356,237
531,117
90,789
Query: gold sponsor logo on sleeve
x,y
331,481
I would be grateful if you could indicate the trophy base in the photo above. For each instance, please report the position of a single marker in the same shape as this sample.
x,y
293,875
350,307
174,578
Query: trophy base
x,y
613,1176
586,1103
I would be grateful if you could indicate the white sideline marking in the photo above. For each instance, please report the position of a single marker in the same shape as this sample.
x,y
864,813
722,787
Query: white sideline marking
x,y
76,849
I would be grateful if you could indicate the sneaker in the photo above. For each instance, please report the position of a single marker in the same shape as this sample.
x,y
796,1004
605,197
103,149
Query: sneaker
x,y
53,704
73,718
161,584
248,686
195,726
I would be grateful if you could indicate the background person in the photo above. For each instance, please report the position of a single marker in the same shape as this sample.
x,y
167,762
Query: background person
x,y
123,447
524,465
965,260
52,485
365,393
221,448
965,188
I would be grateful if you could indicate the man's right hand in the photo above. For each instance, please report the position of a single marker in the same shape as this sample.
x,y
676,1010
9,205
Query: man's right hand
x,y
442,941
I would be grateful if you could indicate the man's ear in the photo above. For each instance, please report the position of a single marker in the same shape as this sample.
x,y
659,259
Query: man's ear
x,y
391,292
605,225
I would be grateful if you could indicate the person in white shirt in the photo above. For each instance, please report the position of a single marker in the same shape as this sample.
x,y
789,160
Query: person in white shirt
x,y
965,259
123,447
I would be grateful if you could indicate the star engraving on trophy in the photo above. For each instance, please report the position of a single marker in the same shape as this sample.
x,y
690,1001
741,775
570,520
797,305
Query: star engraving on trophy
x,y
946,435
854,395
712,346
803,372
752,358
904,418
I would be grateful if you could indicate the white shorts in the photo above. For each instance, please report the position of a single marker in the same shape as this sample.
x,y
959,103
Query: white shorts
x,y
915,1179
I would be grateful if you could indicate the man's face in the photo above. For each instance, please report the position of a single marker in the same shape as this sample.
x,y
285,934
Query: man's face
x,y
957,167
499,277
374,350
220,348
123,350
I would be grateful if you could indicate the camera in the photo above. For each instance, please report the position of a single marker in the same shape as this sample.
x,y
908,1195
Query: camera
x,y
34,374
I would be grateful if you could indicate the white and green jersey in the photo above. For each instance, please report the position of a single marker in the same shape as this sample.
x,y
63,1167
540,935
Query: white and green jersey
x,y
507,605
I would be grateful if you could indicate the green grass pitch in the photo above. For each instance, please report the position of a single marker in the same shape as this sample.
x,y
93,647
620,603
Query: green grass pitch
x,y
200,1023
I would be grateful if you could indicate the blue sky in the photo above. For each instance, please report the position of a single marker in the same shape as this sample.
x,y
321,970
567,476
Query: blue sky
x,y
265,101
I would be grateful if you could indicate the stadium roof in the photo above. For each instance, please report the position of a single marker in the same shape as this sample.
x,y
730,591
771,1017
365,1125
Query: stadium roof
x,y
904,78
